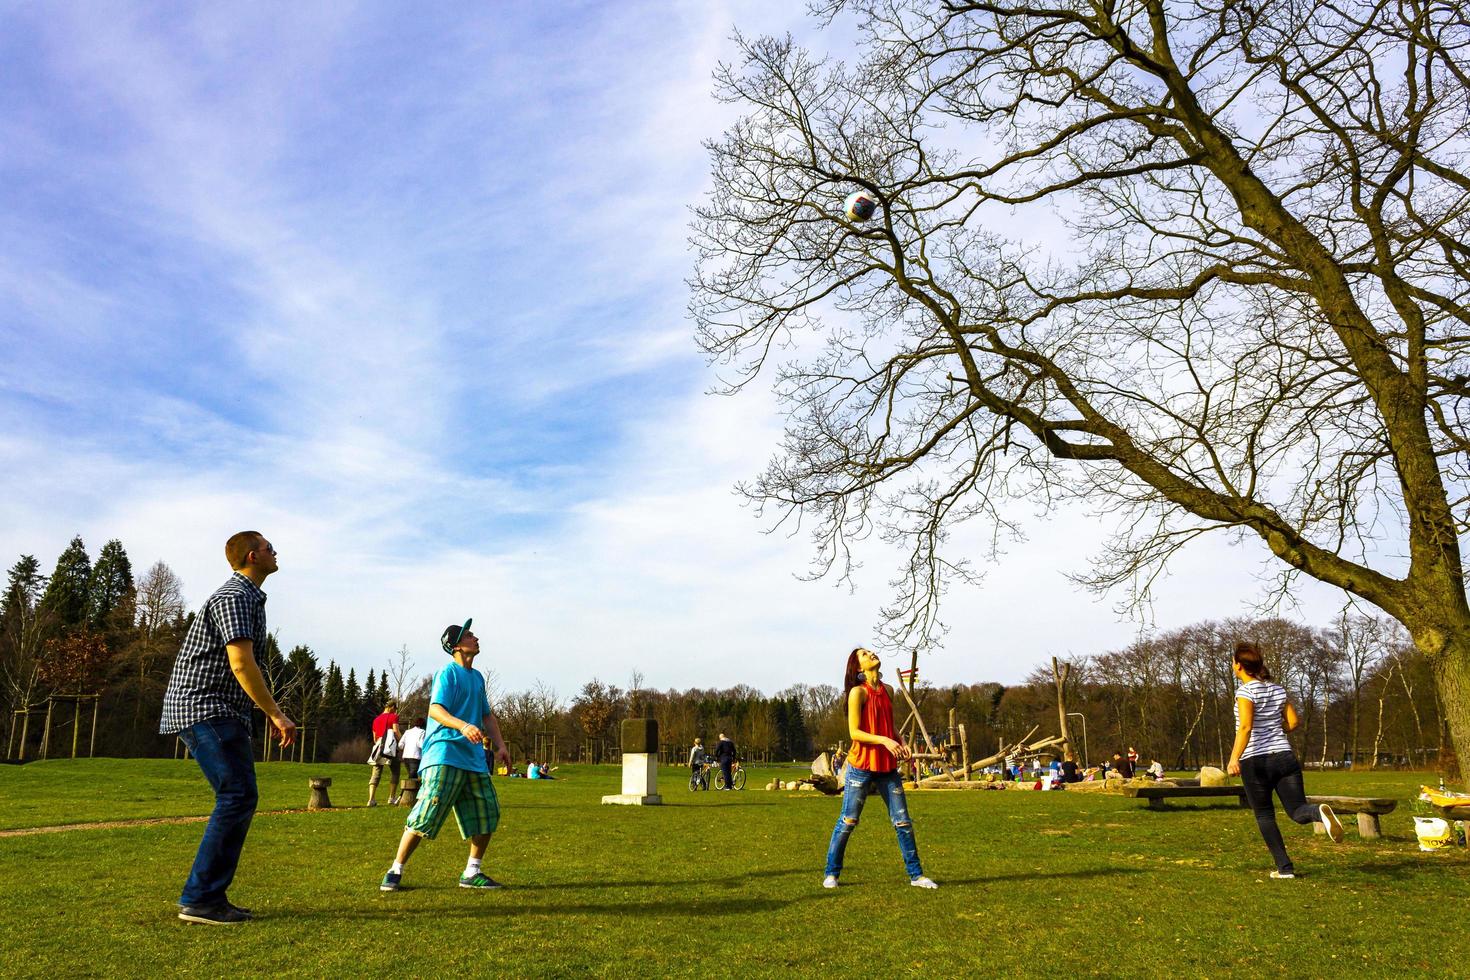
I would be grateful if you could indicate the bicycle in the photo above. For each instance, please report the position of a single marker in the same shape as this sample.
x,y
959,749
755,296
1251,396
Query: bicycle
x,y
737,776
698,777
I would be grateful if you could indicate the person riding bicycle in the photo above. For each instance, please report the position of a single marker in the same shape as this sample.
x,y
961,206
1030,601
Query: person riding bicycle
x,y
725,756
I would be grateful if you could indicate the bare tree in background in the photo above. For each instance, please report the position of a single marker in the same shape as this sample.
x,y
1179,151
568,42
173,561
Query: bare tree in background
x,y
1259,326
400,669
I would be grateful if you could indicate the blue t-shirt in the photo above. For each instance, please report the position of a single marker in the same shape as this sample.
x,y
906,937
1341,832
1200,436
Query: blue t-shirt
x,y
461,692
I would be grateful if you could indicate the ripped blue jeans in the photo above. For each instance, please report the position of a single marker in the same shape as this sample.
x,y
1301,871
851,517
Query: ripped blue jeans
x,y
857,784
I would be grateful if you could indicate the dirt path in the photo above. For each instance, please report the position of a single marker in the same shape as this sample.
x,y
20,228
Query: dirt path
x,y
138,822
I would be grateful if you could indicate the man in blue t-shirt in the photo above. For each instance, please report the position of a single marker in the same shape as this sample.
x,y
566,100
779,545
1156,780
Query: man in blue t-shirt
x,y
453,772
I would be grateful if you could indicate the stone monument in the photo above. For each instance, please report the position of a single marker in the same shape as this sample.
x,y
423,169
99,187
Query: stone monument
x,y
640,764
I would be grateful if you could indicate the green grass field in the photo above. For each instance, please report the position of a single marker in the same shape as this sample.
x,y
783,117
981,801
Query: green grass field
x,y
716,884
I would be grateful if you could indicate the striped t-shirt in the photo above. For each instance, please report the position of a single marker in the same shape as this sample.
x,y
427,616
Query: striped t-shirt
x,y
1268,724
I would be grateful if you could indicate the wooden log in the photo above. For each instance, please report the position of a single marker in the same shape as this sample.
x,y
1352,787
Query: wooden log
x,y
1019,747
46,736
410,793
964,754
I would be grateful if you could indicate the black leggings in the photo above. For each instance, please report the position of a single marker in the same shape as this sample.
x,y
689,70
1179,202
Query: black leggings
x,y
1278,771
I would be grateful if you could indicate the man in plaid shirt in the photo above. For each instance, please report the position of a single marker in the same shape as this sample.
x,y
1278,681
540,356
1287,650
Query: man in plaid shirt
x,y
213,684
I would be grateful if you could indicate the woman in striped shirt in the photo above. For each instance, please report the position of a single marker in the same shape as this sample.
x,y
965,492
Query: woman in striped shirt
x,y
1263,758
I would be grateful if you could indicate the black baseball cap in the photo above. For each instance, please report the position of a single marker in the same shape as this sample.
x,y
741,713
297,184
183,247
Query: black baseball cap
x,y
451,636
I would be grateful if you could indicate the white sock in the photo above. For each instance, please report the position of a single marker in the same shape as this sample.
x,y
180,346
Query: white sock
x,y
472,868
397,868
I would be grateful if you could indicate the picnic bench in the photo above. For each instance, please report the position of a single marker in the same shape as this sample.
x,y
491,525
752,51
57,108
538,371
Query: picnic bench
x,y
1368,809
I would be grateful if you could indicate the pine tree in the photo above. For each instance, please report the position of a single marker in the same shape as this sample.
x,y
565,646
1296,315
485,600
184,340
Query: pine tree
x,y
334,694
353,698
110,589
370,694
66,593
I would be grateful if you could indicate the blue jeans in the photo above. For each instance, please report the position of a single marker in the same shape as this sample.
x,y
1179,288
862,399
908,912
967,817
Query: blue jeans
x,y
221,746
857,784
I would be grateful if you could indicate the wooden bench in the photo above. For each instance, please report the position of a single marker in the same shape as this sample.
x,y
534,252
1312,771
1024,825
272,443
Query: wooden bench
x,y
1368,809
1156,795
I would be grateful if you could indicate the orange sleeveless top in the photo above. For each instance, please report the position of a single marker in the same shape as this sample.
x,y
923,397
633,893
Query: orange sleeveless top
x,y
877,720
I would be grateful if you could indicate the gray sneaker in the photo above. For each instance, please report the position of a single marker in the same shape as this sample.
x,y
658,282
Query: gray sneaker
x,y
830,881
923,881
390,882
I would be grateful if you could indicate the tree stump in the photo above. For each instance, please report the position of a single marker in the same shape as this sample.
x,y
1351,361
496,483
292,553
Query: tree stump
x,y
319,799
410,792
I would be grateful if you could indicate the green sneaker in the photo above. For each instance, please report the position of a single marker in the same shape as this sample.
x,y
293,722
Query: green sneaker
x,y
479,880
390,882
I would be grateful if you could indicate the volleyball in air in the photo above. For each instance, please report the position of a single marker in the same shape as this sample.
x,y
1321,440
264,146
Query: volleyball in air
x,y
859,206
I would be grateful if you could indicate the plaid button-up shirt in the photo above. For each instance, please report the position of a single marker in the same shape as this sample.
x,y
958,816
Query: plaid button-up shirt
x,y
203,685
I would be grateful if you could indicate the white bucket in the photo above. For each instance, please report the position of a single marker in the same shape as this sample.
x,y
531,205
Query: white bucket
x,y
1433,833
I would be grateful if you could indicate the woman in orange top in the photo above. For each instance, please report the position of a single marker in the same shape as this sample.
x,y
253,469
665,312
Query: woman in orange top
x,y
872,766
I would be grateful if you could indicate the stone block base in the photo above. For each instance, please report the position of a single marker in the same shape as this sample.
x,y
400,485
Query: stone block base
x,y
633,799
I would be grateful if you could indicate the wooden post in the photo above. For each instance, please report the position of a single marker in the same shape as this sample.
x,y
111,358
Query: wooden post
x,y
46,736
1059,674
10,740
92,747
76,724
964,754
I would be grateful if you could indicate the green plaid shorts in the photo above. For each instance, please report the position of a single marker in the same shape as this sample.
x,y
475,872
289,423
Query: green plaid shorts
x,y
469,794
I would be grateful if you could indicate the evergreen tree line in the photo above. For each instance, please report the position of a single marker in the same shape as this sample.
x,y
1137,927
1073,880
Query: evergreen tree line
x,y
1364,691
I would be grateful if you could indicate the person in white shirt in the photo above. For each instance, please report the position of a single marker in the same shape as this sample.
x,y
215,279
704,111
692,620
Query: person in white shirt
x,y
413,747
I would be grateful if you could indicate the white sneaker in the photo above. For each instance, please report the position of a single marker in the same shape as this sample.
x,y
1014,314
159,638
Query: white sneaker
x,y
372,802
1283,874
393,801
1330,821
923,881
830,881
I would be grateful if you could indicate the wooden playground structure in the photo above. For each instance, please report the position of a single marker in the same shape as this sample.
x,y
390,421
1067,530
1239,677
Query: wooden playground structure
x,y
17,749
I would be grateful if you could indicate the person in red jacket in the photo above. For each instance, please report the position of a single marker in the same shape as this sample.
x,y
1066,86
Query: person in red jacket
x,y
872,763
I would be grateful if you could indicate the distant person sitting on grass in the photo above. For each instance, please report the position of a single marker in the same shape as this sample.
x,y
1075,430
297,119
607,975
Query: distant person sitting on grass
x,y
1069,771
872,765
214,686
1156,769
456,775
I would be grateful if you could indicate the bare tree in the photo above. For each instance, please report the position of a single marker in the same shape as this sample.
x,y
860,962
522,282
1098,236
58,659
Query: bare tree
x,y
1259,324
160,599
400,669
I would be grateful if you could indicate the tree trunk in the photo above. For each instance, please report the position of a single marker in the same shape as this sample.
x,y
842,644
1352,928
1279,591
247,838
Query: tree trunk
x,y
1413,709
1059,674
1378,736
1451,667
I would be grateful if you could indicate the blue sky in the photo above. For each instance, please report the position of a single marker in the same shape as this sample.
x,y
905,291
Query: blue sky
x,y
404,289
